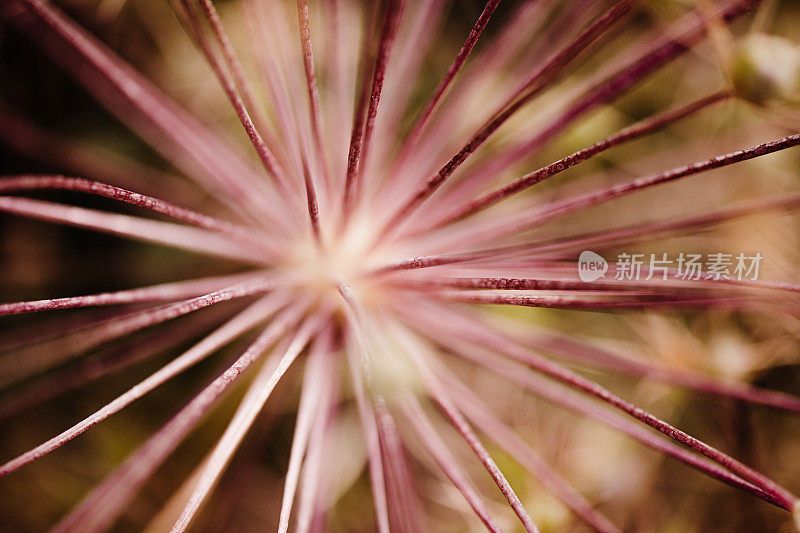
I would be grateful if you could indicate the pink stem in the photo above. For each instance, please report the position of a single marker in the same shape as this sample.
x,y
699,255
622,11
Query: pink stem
x,y
455,67
252,404
159,121
499,343
225,334
360,143
22,363
93,161
163,233
186,9
561,396
369,426
312,204
351,182
639,232
132,351
439,394
268,35
403,495
100,509
570,205
572,302
313,468
415,157
588,354
538,81
310,400
628,134
538,216
620,287
422,25
313,90
433,443
31,182
153,293
491,425
236,70
362,373
687,32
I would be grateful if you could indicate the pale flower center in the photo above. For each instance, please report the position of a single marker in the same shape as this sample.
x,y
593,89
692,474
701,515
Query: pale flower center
x,y
342,258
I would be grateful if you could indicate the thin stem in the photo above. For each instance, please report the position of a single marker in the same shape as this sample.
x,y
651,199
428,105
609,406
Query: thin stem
x,y
351,183
154,293
639,232
186,9
124,355
312,203
138,103
491,426
498,342
422,24
629,134
90,160
433,443
455,67
439,394
251,236
100,509
360,144
538,81
589,354
313,90
369,426
517,223
235,66
585,201
415,155
403,494
22,363
686,33
220,337
543,283
313,469
362,374
268,36
316,372
565,397
613,301
163,233
252,404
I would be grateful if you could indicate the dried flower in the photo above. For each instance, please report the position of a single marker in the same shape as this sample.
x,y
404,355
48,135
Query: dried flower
x,y
376,229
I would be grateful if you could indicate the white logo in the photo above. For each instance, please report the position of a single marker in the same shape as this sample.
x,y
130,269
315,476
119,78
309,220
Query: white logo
x,y
591,266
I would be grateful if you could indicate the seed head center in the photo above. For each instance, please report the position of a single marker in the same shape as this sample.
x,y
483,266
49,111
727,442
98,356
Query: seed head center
x,y
346,257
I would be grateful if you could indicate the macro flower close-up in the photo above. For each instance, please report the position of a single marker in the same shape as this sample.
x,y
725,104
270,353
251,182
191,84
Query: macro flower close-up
x,y
400,265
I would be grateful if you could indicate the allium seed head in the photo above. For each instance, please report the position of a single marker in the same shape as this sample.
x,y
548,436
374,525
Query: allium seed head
x,y
454,267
